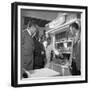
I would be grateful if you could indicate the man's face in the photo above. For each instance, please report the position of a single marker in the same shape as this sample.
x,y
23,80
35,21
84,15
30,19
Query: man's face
x,y
75,33
49,41
73,30
32,29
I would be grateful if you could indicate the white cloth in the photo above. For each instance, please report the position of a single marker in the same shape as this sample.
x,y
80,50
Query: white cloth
x,y
45,72
56,51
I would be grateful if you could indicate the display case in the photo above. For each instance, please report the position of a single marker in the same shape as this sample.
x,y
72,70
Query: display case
x,y
64,45
62,62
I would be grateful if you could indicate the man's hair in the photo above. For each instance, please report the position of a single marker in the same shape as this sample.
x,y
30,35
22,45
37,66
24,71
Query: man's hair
x,y
31,23
75,25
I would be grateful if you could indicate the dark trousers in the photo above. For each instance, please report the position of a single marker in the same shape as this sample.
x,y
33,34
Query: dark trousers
x,y
74,69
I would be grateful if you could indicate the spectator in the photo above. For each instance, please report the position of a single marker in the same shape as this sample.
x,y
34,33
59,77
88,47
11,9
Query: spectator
x,y
39,52
76,61
27,46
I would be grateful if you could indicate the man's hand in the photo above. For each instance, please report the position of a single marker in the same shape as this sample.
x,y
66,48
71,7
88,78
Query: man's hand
x,y
26,73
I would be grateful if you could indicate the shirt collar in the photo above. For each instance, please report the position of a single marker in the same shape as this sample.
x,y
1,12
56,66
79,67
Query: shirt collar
x,y
29,32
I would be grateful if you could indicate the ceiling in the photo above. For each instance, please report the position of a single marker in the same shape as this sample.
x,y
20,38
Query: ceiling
x,y
45,15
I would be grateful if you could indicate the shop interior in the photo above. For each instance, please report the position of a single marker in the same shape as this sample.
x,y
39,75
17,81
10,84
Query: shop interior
x,y
56,24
